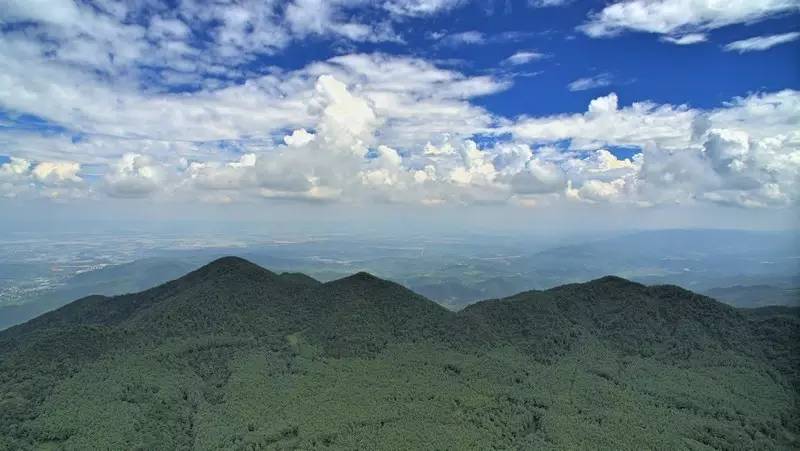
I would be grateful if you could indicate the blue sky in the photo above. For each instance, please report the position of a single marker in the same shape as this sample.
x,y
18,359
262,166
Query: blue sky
x,y
531,104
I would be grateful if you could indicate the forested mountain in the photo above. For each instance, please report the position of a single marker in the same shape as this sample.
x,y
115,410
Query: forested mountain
x,y
234,356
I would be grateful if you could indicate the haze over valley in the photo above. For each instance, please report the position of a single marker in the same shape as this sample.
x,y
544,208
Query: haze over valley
x,y
743,268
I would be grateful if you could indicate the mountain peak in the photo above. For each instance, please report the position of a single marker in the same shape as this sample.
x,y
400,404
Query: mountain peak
x,y
363,275
613,284
612,280
231,264
360,277
229,261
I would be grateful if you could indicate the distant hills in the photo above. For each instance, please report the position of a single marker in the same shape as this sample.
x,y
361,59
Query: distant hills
x,y
742,268
235,356
752,296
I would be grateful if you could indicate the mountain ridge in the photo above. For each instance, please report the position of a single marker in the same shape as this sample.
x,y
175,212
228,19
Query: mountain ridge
x,y
237,272
184,359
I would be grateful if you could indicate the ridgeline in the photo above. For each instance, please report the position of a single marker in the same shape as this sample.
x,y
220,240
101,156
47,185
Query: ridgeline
x,y
233,356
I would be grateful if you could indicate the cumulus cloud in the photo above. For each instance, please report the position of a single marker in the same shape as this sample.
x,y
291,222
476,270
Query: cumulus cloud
x,y
538,177
761,115
597,190
357,127
55,179
234,175
680,17
745,153
605,123
14,167
133,176
298,138
57,172
415,96
759,43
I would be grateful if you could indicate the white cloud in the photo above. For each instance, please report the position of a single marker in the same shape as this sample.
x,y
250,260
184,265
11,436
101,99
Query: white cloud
x,y
686,39
538,177
547,3
463,38
57,172
161,45
298,138
472,37
605,123
523,57
234,175
745,153
361,127
54,179
323,17
597,190
416,8
134,175
674,17
347,119
761,115
759,43
597,81
14,167
414,95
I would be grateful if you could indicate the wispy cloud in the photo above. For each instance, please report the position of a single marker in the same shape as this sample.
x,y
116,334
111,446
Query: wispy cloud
x,y
462,38
597,81
669,17
547,3
760,43
687,39
523,57
473,37
420,8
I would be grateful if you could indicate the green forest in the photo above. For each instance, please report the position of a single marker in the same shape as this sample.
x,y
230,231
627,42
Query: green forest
x,y
233,356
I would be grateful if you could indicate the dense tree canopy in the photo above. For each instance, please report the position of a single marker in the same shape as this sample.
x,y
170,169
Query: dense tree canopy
x,y
233,356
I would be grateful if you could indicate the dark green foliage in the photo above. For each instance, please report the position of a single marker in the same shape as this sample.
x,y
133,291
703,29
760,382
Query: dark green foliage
x,y
233,356
777,329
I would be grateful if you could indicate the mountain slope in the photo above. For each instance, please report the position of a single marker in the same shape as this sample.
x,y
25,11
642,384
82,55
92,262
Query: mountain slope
x,y
364,314
111,280
235,356
662,321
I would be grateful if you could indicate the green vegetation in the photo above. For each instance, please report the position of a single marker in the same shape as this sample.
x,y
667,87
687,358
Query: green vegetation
x,y
233,356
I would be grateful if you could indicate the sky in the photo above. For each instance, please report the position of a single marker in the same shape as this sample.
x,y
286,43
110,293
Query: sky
x,y
637,112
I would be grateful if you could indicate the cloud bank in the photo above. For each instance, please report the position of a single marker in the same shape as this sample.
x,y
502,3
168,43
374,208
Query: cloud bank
x,y
363,128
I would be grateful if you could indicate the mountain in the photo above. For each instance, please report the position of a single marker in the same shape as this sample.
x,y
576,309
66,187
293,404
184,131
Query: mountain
x,y
235,356
110,280
665,322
